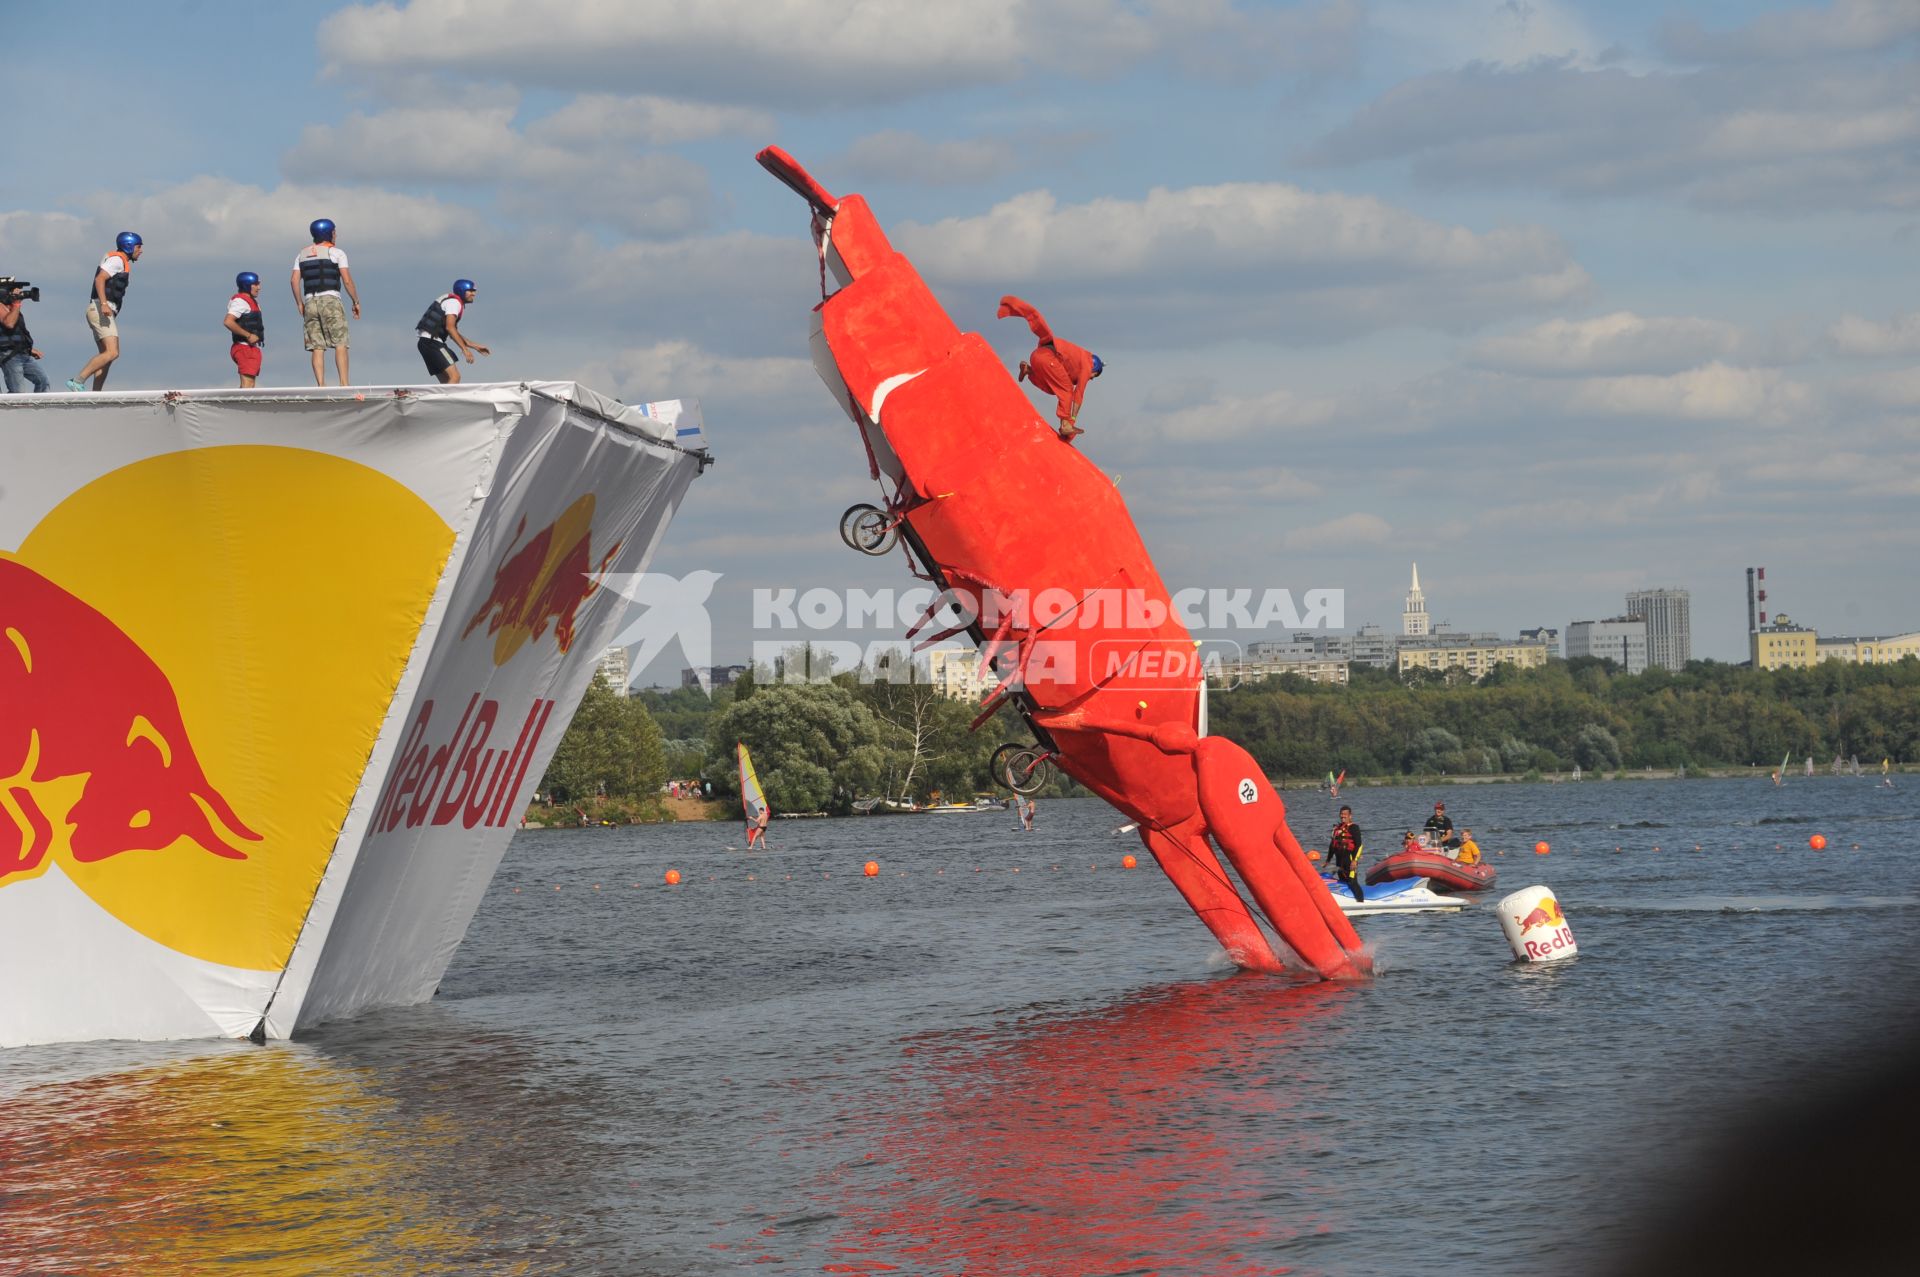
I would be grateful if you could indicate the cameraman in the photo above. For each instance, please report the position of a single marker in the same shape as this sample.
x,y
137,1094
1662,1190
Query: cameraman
x,y
18,355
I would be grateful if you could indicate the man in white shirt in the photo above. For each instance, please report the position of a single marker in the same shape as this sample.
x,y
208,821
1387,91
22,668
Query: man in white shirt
x,y
319,273
108,294
441,325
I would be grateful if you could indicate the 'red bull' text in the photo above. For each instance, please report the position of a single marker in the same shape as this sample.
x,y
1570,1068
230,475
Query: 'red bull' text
x,y
461,778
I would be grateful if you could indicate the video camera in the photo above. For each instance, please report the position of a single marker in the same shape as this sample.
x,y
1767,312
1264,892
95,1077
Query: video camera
x,y
16,290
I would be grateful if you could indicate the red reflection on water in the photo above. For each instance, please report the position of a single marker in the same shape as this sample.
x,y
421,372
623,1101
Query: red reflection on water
x,y
1154,1137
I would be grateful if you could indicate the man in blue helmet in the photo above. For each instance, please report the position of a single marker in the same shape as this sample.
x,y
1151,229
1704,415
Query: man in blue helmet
x,y
247,325
103,309
440,325
319,273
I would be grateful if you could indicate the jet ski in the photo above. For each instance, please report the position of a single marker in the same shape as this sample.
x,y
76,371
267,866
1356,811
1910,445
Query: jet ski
x,y
1403,895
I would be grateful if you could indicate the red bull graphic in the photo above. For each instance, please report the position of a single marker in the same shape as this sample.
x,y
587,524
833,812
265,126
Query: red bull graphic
x,y
82,703
545,580
1545,914
1535,927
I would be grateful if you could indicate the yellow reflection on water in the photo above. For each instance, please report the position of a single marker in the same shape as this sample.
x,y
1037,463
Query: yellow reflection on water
x,y
254,1160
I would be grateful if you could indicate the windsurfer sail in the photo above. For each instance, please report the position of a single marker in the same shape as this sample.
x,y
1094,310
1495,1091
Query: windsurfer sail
x,y
753,801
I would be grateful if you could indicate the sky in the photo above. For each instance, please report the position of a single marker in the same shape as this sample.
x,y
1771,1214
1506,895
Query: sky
x,y
1558,299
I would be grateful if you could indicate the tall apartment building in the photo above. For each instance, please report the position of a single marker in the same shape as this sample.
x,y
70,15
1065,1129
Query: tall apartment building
x,y
613,669
1620,639
1669,625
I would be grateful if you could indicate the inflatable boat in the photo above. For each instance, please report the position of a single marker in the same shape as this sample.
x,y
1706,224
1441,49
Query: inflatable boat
x,y
1446,873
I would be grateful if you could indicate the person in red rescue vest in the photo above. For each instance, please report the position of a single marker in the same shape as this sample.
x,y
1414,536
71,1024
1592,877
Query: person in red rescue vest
x,y
247,326
1057,367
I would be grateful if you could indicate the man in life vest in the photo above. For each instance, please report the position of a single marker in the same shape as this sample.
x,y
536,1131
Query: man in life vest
x,y
319,273
1344,848
248,326
440,325
1057,367
103,309
1439,828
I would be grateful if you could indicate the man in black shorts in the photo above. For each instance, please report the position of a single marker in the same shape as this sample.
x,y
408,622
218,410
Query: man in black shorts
x,y
439,331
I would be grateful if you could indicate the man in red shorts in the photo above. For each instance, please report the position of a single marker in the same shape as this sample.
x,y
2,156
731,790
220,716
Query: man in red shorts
x,y
248,326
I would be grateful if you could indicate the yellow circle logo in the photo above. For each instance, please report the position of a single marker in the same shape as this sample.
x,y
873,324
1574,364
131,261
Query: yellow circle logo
x,y
189,692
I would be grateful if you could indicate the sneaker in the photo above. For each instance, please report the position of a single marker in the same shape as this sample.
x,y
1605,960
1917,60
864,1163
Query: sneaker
x,y
74,385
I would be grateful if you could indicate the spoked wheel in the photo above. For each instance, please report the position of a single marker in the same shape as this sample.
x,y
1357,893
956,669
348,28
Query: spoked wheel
x,y
867,528
1021,768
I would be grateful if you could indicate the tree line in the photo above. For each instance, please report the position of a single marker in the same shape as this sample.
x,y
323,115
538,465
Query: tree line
x,y
1585,712
819,746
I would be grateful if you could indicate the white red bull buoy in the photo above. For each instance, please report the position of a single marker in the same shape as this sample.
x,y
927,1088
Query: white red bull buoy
x,y
1535,927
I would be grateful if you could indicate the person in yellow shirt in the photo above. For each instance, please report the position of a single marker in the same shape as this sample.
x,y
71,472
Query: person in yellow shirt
x,y
1469,849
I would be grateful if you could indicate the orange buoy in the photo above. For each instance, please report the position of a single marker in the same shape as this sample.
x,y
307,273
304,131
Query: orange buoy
x,y
673,877
871,869
1128,862
1818,842
1541,849
1313,855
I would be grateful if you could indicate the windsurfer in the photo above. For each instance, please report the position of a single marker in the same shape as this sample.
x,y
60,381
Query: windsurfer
x,y
1057,367
1344,847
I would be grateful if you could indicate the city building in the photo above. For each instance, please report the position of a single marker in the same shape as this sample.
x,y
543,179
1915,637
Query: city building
x,y
955,673
1867,651
1273,663
1784,645
1548,638
1477,654
613,669
1620,639
1668,613
1368,645
1413,617
1373,646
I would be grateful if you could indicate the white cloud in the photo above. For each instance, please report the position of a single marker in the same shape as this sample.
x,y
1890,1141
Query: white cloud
x,y
1854,337
1769,137
1192,265
1845,26
896,155
641,371
1621,342
605,118
1341,533
603,180
1453,33
814,56
1716,392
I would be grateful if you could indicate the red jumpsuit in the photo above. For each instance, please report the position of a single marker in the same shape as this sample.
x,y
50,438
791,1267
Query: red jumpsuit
x,y
1060,368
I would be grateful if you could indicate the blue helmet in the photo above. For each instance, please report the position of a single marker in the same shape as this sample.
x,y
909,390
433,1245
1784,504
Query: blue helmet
x,y
1098,366
322,230
461,287
245,279
126,241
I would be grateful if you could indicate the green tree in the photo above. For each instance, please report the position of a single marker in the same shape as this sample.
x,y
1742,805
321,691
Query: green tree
x,y
612,749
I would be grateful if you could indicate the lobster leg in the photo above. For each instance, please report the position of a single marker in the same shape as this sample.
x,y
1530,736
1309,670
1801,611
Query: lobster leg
x,y
1192,868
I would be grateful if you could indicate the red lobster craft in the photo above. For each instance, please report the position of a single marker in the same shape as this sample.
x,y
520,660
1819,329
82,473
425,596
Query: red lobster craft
x,y
1078,626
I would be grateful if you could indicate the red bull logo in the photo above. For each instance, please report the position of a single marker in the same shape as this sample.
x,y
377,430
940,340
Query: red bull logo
x,y
544,581
1544,914
92,740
